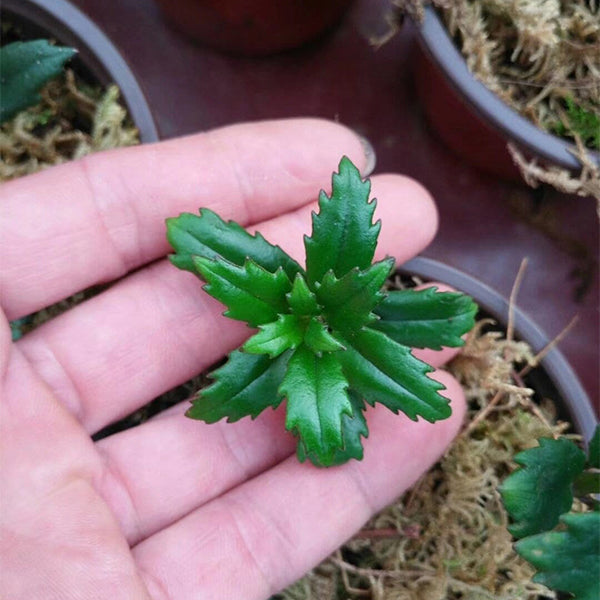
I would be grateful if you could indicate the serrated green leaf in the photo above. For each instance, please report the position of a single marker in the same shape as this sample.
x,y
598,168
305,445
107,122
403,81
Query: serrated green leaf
x,y
426,318
276,337
244,386
250,293
24,68
301,300
384,371
316,393
594,449
207,235
343,234
567,561
319,340
348,302
353,429
536,495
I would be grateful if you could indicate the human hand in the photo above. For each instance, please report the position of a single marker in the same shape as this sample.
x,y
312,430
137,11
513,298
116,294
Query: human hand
x,y
174,508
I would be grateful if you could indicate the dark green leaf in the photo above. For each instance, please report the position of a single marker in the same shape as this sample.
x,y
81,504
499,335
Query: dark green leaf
x,y
301,300
586,483
343,234
536,495
316,392
384,371
594,449
207,235
24,68
244,386
319,340
348,301
276,337
353,429
567,561
426,318
251,293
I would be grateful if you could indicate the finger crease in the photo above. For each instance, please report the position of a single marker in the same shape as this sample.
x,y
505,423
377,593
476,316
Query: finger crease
x,y
114,489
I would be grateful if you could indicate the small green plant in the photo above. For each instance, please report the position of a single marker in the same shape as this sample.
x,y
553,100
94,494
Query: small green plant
x,y
330,339
563,546
24,68
583,122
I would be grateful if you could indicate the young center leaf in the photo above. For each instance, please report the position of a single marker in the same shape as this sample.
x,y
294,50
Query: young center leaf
x,y
321,345
538,493
568,560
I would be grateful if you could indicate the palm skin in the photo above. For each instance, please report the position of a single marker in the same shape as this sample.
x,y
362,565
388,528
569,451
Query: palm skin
x,y
173,509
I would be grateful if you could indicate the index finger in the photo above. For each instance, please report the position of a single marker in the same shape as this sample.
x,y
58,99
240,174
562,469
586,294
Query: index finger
x,y
94,220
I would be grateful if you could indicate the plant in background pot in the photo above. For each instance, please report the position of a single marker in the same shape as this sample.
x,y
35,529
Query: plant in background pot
x,y
530,71
94,104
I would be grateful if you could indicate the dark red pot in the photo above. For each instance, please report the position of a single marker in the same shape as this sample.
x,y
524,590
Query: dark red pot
x,y
253,27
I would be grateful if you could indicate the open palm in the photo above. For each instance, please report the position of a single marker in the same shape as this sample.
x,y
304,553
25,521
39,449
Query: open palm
x,y
173,509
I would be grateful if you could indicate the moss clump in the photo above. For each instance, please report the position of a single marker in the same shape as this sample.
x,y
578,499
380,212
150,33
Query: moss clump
x,y
447,537
71,120
539,56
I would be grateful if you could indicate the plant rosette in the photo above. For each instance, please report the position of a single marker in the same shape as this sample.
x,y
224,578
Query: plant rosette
x,y
330,339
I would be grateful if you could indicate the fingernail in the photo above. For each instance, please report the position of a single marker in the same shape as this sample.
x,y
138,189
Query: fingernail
x,y
369,155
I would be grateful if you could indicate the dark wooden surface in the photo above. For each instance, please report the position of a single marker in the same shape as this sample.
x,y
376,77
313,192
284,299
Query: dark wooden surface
x,y
487,225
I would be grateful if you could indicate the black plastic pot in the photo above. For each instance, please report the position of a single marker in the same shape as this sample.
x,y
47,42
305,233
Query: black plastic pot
x,y
97,60
554,378
457,122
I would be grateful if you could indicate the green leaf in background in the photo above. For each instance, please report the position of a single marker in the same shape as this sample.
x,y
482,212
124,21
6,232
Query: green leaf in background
x,y
348,301
301,300
276,337
594,449
208,236
317,398
537,494
426,318
354,428
383,371
24,69
250,293
343,234
244,386
569,560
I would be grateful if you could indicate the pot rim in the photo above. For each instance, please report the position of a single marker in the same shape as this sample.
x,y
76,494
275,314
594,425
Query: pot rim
x,y
575,398
441,48
73,28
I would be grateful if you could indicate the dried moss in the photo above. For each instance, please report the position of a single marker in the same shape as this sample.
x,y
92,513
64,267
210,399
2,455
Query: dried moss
x,y
71,120
447,538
